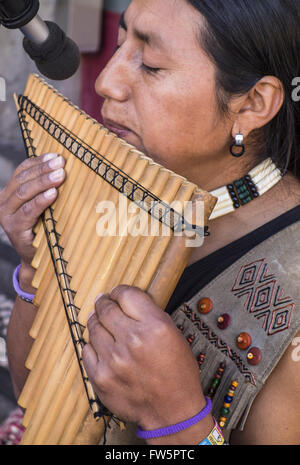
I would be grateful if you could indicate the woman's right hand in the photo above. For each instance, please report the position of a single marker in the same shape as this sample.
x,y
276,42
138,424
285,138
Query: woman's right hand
x,y
32,189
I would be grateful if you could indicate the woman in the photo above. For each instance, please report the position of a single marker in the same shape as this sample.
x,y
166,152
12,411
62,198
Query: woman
x,y
193,83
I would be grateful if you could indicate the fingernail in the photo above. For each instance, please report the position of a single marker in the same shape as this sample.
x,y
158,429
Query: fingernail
x,y
49,156
50,193
91,314
98,297
57,175
56,163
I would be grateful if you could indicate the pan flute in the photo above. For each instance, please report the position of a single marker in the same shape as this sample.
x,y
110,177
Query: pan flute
x,y
75,260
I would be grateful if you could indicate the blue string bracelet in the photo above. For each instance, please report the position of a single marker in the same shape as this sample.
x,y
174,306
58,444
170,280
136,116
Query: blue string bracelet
x,y
23,295
173,429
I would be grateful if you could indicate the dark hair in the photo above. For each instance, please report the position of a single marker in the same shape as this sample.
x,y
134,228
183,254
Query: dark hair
x,y
249,39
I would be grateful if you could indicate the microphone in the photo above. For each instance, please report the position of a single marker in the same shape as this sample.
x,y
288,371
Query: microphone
x,y
56,56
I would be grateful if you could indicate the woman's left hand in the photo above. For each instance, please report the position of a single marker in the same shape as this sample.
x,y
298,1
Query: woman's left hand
x,y
139,363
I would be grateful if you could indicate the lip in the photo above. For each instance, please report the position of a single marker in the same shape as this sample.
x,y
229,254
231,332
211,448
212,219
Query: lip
x,y
116,128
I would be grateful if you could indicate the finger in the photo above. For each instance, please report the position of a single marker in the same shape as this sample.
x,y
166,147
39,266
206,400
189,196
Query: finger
x,y
39,166
28,214
97,371
111,316
99,338
135,303
28,190
90,360
33,161
32,168
26,165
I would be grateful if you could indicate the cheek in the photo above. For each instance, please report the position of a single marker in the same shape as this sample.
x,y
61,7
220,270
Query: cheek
x,y
179,123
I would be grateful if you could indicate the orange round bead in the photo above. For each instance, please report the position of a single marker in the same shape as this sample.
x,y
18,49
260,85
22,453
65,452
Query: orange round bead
x,y
205,305
243,341
222,422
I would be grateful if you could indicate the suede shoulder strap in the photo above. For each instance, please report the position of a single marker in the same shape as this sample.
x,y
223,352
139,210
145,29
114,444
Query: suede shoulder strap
x,y
260,296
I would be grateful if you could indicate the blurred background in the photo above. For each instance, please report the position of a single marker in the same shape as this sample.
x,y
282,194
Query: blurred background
x,y
93,25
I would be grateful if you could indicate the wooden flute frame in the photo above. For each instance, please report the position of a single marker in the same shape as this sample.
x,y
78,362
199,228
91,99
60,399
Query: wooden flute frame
x,y
59,401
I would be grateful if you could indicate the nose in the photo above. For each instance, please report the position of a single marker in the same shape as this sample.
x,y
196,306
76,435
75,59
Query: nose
x,y
113,81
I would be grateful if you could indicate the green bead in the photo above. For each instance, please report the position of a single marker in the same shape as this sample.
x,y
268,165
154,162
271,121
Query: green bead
x,y
224,411
245,201
242,190
244,195
239,183
215,382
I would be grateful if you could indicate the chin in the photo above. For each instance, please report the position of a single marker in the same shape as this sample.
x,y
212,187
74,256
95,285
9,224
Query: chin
x,y
131,139
136,142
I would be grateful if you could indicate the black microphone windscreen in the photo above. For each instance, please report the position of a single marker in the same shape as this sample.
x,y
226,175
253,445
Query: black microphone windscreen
x,y
58,58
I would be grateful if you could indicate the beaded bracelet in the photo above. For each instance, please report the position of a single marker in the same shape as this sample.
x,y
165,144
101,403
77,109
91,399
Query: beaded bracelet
x,y
23,295
161,432
215,437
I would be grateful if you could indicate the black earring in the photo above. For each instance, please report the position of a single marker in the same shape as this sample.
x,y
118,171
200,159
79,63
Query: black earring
x,y
238,143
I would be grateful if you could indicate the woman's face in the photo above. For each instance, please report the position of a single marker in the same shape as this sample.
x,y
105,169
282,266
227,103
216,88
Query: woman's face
x,y
159,88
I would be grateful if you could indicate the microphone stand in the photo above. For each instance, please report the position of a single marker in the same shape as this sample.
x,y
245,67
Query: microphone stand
x,y
15,14
55,55
12,16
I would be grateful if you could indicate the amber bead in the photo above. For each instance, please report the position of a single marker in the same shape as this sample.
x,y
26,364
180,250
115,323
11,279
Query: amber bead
x,y
243,341
205,305
200,360
190,338
222,422
225,410
254,356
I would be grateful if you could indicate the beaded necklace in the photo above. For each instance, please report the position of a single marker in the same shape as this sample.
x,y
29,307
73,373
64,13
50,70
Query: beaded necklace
x,y
242,191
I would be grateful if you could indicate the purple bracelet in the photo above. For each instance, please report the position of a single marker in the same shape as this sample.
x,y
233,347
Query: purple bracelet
x,y
158,433
23,295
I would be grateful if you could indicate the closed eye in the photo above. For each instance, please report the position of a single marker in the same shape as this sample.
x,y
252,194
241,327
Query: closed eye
x,y
146,68
149,69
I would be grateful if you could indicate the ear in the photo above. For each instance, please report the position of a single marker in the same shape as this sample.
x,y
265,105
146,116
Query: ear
x,y
258,107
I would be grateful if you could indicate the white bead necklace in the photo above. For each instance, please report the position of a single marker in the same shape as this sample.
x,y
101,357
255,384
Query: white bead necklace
x,y
259,180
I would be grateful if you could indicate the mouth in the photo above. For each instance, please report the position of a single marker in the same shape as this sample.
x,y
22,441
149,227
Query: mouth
x,y
118,129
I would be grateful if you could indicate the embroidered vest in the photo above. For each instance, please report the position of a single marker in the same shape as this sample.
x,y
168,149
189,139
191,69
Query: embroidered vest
x,y
258,299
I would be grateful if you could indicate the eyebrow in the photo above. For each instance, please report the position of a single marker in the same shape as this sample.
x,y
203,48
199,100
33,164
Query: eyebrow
x,y
151,39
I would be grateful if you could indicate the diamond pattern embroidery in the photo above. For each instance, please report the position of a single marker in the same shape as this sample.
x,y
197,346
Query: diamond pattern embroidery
x,y
264,297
